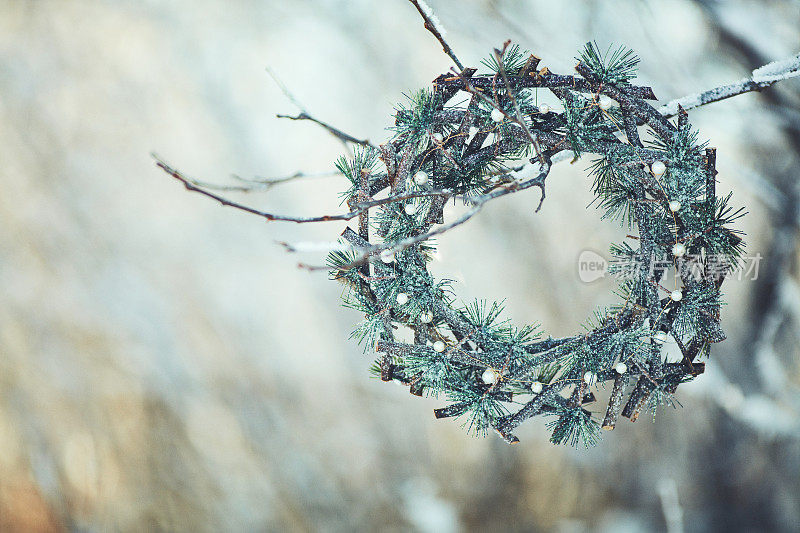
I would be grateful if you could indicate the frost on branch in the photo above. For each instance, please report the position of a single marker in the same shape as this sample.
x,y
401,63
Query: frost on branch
x,y
778,70
762,77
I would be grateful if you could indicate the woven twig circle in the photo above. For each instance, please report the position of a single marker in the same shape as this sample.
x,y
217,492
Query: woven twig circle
x,y
460,140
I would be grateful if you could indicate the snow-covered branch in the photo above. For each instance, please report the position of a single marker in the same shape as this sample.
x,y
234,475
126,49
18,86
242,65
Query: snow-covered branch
x,y
761,78
433,25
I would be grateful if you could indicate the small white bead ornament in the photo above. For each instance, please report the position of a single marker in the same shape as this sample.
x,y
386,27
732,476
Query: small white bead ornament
x,y
590,378
658,168
421,177
402,298
674,206
438,137
438,346
536,387
605,102
490,376
676,296
679,250
497,115
544,109
621,368
387,256
410,209
426,317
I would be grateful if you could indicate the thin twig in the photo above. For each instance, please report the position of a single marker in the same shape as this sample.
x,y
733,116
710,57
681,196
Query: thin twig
x,y
284,89
336,132
190,186
432,25
261,184
305,115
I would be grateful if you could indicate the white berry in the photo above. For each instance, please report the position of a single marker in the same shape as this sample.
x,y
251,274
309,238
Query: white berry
x,y
426,317
410,209
674,206
402,298
660,337
387,256
497,115
438,137
621,368
421,177
676,296
605,102
590,378
679,250
658,168
438,346
536,387
544,109
473,131
490,376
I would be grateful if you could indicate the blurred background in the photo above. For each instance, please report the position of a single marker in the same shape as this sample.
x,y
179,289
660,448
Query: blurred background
x,y
164,365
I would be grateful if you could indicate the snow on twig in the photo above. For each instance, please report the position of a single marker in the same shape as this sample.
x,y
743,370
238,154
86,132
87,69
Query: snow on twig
x,y
761,77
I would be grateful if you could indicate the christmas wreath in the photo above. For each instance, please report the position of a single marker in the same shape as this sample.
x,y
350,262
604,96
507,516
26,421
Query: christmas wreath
x,y
650,173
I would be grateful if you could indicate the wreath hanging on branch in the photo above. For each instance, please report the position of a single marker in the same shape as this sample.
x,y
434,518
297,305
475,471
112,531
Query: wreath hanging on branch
x,y
649,172
483,365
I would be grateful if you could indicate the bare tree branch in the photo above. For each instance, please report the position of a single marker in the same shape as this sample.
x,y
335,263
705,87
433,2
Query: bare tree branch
x,y
190,186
